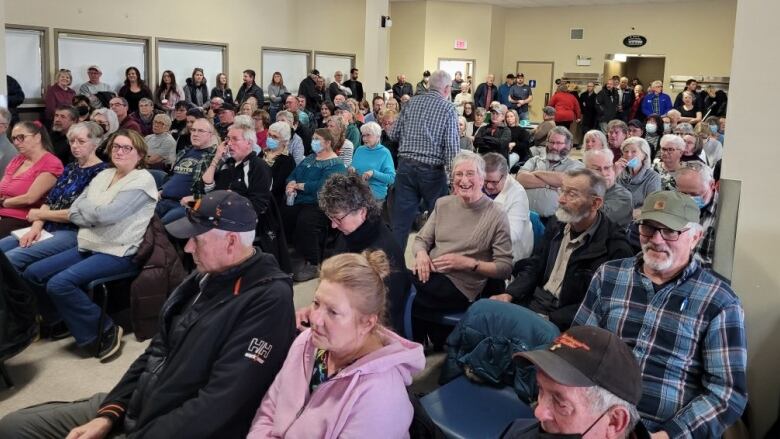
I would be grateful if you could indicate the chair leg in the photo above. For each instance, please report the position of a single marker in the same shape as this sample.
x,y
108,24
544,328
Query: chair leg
x,y
6,377
103,307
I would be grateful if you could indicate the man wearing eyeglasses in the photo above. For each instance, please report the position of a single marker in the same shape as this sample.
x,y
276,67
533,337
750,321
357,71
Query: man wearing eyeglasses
x,y
685,325
553,281
119,106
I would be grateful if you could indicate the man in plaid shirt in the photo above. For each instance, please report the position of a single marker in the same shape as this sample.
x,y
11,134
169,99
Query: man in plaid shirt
x,y
427,132
695,179
685,326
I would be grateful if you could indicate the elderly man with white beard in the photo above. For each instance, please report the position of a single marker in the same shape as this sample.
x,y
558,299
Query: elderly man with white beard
x,y
685,326
554,280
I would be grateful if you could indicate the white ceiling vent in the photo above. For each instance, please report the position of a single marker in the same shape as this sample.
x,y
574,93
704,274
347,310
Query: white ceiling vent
x,y
577,34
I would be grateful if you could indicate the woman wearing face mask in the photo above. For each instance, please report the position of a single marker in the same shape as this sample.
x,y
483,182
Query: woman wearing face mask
x,y
107,120
635,171
278,158
305,224
83,107
654,129
713,148
347,375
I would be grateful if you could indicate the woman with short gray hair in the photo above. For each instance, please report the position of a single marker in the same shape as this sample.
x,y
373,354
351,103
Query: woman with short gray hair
x,y
637,174
278,158
373,162
668,161
465,247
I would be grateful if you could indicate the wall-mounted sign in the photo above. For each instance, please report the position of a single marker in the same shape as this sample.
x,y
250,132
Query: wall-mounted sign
x,y
461,44
634,41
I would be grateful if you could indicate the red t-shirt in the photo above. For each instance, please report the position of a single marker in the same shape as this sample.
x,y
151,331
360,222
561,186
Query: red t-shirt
x,y
14,185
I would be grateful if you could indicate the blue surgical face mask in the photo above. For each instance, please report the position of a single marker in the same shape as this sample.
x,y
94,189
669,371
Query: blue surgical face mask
x,y
714,129
316,146
699,201
651,128
634,163
271,143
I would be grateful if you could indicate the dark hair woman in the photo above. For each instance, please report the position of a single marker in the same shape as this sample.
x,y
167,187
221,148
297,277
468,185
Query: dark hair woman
x,y
134,89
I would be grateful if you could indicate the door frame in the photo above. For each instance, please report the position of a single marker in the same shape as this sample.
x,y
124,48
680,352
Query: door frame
x,y
552,72
471,60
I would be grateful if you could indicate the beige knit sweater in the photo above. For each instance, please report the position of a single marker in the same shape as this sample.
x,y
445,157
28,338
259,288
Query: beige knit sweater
x,y
479,230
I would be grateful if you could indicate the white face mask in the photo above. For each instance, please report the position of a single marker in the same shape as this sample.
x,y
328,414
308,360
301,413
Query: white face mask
x,y
651,128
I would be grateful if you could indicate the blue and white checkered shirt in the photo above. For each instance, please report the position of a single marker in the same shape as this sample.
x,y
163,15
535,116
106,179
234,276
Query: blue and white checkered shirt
x,y
689,339
427,130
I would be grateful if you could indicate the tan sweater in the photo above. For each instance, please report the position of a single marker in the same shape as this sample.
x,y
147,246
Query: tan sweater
x,y
479,230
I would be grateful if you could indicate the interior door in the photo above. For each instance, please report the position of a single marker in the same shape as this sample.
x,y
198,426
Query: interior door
x,y
464,66
541,73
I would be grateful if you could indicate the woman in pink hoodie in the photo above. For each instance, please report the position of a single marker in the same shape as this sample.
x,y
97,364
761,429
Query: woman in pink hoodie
x,y
347,375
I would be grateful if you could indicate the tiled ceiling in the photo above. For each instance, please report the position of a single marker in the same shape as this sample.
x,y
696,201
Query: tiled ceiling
x,y
554,3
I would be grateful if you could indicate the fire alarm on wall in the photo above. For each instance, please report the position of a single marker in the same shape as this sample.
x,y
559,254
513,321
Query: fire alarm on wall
x,y
386,21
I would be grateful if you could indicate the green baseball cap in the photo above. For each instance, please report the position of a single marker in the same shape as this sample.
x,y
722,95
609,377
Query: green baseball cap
x,y
672,209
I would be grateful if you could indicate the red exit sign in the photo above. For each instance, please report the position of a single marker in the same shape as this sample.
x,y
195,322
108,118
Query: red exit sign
x,y
461,44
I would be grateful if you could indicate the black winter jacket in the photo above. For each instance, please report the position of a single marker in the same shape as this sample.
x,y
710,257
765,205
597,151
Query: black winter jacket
x,y
606,105
244,93
205,373
197,95
607,243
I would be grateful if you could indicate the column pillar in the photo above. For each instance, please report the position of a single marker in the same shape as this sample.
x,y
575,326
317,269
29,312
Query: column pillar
x,y
375,48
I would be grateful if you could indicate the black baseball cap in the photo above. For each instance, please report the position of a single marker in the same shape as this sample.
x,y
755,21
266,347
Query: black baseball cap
x,y
227,106
223,210
587,356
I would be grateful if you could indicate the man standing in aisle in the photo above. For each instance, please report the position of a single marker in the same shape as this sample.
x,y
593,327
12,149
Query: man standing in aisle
x,y
427,132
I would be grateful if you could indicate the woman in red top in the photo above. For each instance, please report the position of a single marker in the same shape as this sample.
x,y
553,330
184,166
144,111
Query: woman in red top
x,y
262,122
28,177
567,107
58,94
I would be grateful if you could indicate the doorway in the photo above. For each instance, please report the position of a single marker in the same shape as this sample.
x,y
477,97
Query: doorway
x,y
646,68
539,75
464,66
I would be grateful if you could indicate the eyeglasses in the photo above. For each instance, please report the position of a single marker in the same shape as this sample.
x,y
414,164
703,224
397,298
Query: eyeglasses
x,y
491,182
669,149
571,193
648,231
116,104
339,220
20,137
126,149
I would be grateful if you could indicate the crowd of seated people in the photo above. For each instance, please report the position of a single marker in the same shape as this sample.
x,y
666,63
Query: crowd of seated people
x,y
628,241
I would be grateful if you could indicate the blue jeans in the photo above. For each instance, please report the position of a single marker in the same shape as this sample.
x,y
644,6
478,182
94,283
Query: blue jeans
x,y
169,210
67,273
21,257
414,181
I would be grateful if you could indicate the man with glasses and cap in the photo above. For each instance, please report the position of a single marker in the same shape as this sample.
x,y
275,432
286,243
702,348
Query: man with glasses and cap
x,y
685,325
224,334
589,386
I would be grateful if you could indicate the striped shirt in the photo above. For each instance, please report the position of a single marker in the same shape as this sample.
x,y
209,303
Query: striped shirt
x,y
427,130
689,339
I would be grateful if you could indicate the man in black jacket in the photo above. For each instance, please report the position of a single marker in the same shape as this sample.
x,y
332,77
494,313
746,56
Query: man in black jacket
x,y
588,106
606,104
402,88
15,99
250,88
353,84
553,281
224,334
308,89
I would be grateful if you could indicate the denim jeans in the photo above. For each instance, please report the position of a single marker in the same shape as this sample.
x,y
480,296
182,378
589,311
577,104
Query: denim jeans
x,y
169,210
64,275
414,181
22,257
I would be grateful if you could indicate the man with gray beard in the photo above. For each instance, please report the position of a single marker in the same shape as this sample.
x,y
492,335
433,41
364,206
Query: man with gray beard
x,y
685,325
554,280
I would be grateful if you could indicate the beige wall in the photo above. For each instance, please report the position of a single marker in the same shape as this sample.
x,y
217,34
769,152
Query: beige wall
x,y
246,25
546,32
407,40
756,279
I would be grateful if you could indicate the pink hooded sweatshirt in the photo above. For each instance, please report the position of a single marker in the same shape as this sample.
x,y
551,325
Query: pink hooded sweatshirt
x,y
366,399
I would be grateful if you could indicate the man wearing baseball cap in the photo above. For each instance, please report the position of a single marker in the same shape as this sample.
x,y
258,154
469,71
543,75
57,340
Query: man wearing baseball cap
x,y
685,325
93,86
589,386
224,334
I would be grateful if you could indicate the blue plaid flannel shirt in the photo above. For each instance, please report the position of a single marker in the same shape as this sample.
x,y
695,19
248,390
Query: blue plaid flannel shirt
x,y
689,339
427,130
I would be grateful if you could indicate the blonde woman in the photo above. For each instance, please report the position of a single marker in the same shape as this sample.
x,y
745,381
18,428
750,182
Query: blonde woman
x,y
58,94
463,97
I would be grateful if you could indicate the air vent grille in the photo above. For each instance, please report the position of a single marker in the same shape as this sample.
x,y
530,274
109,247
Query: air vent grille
x,y
577,34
